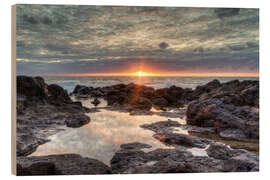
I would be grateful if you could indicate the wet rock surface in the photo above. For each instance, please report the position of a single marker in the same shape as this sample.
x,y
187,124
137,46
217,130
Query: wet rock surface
x,y
179,160
228,120
65,164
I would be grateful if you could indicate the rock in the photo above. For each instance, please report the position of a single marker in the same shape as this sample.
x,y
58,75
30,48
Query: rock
x,y
95,102
57,95
233,134
77,105
175,96
179,160
214,113
160,102
235,160
206,88
97,93
244,93
81,90
77,120
140,104
116,98
26,144
220,151
135,145
251,95
31,88
66,164
182,140
39,168
244,162
161,126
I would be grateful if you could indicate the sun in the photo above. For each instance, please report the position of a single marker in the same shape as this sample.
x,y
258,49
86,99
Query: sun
x,y
140,73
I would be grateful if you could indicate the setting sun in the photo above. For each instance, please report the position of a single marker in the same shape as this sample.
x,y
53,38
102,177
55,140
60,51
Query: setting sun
x,y
140,73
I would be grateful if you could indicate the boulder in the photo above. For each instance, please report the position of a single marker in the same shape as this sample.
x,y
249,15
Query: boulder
x,y
64,164
160,102
235,160
37,169
31,88
215,113
238,93
173,139
57,95
140,104
116,98
161,126
77,120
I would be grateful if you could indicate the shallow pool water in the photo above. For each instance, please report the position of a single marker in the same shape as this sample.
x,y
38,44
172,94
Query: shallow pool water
x,y
102,137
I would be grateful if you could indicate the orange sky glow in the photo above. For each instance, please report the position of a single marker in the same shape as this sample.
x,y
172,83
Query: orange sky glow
x,y
152,74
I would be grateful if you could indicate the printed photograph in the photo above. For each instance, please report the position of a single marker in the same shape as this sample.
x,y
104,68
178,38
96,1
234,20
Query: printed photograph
x,y
136,89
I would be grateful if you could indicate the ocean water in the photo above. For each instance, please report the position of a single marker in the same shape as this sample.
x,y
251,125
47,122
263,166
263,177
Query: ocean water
x,y
69,83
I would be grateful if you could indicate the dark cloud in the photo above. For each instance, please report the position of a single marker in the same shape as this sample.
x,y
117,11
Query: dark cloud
x,y
199,49
252,45
237,47
30,19
163,45
226,12
46,20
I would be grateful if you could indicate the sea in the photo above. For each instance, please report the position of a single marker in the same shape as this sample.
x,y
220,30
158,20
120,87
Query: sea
x,y
69,82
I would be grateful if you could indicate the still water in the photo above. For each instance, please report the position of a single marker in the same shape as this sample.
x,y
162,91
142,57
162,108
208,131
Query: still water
x,y
102,137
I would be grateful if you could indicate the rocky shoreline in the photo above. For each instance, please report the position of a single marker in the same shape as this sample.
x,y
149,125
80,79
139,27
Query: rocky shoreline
x,y
228,110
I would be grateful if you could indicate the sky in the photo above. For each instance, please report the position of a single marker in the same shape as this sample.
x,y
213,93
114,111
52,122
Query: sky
x,y
115,40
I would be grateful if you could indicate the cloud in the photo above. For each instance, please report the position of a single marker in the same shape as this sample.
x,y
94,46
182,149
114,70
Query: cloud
x,y
237,47
226,12
121,36
163,45
30,19
252,45
46,20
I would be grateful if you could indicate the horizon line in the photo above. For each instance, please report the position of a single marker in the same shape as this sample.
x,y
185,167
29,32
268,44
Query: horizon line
x,y
156,75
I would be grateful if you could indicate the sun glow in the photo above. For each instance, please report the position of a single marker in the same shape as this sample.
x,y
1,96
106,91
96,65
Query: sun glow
x,y
141,73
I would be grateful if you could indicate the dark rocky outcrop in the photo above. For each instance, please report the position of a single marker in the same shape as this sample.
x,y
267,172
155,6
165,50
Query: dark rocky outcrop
x,y
128,94
242,121
77,120
64,164
179,160
30,90
238,93
140,104
82,91
161,126
175,139
57,95
235,160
